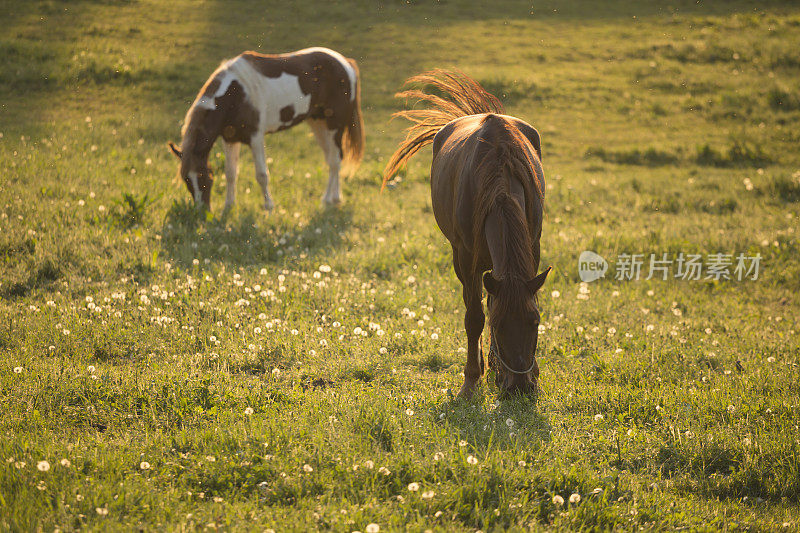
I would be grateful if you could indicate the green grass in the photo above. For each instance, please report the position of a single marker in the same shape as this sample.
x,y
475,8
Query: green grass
x,y
144,333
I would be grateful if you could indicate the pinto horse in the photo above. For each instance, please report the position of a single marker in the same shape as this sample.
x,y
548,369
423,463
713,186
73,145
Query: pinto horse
x,y
254,94
487,190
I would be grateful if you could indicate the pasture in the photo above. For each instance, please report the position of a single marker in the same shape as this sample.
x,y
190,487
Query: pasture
x,y
169,370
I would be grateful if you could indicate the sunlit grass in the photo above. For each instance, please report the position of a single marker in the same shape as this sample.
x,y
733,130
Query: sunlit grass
x,y
165,369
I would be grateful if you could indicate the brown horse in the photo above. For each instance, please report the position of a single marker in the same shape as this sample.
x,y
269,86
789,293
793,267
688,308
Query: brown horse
x,y
254,94
487,188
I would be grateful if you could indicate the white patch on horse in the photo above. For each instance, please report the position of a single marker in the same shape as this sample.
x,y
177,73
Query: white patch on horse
x,y
351,73
270,95
206,103
195,185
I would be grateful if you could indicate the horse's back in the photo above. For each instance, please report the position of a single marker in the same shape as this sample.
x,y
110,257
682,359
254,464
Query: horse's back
x,y
457,149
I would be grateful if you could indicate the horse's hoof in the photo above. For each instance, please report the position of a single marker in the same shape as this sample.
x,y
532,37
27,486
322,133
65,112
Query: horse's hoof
x,y
332,202
467,391
269,205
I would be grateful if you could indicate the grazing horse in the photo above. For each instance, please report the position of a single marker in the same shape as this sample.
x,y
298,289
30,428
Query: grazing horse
x,y
487,190
254,94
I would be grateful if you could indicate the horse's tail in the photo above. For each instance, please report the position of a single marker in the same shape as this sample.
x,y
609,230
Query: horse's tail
x,y
353,139
464,96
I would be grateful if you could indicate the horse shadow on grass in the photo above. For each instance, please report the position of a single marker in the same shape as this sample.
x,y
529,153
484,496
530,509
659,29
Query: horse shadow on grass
x,y
249,238
487,422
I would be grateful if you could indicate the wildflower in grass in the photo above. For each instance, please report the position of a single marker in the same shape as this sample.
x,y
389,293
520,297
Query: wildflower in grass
x,y
649,327
413,487
770,359
102,511
91,369
428,495
521,463
409,412
18,370
438,456
210,458
471,459
385,471
555,294
308,468
372,528
598,417
575,498
217,499
19,465
597,490
66,463
144,465
382,350
43,466
276,372
558,500
731,408
462,443
369,464
438,514
509,422
248,411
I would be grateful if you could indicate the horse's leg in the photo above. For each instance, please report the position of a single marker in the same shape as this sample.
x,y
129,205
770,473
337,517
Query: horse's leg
x,y
473,323
231,170
331,143
262,173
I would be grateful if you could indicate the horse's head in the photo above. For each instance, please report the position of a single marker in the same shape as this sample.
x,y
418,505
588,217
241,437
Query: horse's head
x,y
514,322
196,175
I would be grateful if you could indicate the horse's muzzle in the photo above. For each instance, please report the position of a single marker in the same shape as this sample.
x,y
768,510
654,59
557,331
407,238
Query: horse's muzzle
x,y
517,385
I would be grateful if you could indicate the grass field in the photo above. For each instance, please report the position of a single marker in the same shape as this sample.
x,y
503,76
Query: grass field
x,y
245,371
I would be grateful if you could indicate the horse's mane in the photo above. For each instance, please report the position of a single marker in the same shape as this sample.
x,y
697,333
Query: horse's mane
x,y
465,97
506,159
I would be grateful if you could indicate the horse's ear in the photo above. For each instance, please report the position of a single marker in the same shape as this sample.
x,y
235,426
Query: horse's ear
x,y
175,150
536,283
490,283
